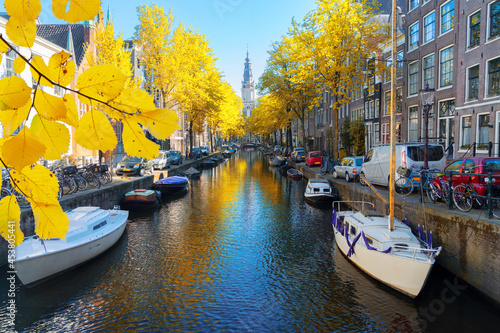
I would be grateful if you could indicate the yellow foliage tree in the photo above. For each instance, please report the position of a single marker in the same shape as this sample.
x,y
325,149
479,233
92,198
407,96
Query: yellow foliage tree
x,y
102,87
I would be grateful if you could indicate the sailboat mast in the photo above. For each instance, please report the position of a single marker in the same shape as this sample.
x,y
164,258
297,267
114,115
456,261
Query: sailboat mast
x,y
393,116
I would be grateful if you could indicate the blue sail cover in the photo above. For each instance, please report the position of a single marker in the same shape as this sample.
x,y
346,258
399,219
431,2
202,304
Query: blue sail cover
x,y
174,180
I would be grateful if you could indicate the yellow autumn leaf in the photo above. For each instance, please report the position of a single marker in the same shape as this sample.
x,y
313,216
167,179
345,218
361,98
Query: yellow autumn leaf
x,y
62,69
48,106
71,111
22,149
12,119
79,10
111,112
133,100
10,217
102,82
41,71
21,33
54,135
24,10
95,132
161,123
37,184
4,47
19,65
50,221
135,142
14,93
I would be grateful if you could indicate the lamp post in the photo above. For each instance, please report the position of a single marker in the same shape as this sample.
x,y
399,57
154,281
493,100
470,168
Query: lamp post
x,y
426,99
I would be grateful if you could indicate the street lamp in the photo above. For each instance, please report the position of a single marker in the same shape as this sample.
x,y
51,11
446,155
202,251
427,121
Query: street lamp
x,y
426,99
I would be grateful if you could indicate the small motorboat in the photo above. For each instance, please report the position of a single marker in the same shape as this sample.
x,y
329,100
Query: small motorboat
x,y
192,173
208,163
172,184
294,174
92,231
140,199
284,169
319,191
395,257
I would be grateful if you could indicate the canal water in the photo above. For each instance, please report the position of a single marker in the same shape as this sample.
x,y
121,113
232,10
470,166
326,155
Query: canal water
x,y
242,252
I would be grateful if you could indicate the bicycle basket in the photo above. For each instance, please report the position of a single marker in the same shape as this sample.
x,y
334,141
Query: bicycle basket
x,y
104,168
96,168
70,170
404,171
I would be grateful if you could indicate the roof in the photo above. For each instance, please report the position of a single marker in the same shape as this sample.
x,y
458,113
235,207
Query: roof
x,y
59,35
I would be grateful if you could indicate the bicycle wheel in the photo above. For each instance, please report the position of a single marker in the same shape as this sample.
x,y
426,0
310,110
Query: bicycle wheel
x,y
68,185
462,197
432,192
21,200
404,186
5,193
96,181
81,182
104,178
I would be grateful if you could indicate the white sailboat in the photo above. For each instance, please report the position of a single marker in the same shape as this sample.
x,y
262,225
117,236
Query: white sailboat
x,y
91,232
379,244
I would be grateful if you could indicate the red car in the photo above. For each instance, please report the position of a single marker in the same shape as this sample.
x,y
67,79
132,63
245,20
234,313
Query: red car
x,y
473,165
313,158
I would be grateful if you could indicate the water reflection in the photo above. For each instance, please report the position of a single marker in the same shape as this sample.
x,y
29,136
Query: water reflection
x,y
239,251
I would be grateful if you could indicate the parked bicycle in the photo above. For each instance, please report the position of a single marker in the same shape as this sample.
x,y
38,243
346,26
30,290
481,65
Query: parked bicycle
x,y
9,189
407,181
435,188
465,197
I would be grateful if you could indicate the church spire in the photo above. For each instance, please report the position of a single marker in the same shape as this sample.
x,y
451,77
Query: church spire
x,y
248,88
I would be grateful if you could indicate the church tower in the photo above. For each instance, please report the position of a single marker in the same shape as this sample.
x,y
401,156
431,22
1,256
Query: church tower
x,y
248,88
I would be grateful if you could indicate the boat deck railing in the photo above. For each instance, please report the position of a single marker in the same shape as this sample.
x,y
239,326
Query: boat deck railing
x,y
415,253
337,204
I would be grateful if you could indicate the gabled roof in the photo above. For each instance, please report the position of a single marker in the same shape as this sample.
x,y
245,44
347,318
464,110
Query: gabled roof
x,y
59,34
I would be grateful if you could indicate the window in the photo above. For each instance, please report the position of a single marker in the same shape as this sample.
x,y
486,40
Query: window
x,y
429,27
413,78
413,42
447,108
367,110
387,109
494,24
9,63
385,133
483,123
447,16
399,69
399,100
413,124
430,124
494,77
473,83
446,72
372,110
412,4
474,29
377,108
428,71
388,64
376,136
466,132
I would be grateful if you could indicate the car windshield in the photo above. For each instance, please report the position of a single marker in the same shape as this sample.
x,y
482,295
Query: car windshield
x,y
492,165
315,154
131,159
173,152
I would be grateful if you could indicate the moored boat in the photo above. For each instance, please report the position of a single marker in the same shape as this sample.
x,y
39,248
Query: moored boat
x,y
192,173
294,174
91,232
140,199
171,184
395,257
319,191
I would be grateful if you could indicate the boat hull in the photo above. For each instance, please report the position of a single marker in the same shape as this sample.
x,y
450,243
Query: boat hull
x,y
403,274
34,270
134,201
319,199
170,188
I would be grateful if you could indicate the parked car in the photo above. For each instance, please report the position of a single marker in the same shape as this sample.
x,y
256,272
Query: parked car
x,y
162,161
298,155
473,165
131,165
195,153
376,164
205,150
349,167
313,158
176,157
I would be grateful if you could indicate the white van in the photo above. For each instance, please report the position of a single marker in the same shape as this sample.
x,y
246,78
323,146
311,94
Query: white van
x,y
376,165
163,160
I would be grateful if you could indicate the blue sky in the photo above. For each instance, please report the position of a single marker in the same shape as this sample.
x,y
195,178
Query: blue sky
x,y
228,24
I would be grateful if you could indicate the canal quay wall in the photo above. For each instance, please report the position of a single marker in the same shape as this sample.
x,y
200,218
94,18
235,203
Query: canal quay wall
x,y
470,241
105,197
